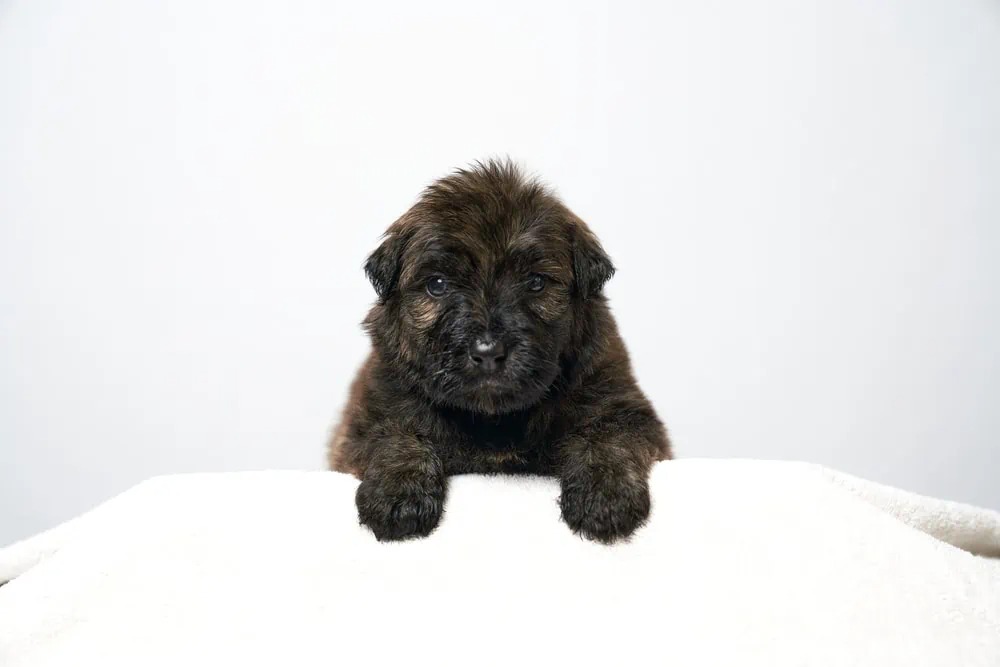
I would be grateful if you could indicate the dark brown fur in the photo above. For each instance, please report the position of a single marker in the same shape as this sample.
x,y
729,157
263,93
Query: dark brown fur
x,y
564,403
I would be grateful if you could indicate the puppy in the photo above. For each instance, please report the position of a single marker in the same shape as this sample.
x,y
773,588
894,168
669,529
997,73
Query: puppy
x,y
494,351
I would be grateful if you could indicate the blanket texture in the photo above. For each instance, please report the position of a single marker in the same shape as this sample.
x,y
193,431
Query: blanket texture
x,y
742,563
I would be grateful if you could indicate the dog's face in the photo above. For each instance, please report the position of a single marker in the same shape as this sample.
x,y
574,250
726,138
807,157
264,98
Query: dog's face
x,y
483,287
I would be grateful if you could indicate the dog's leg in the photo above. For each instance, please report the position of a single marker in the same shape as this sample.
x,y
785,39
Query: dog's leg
x,y
603,473
402,490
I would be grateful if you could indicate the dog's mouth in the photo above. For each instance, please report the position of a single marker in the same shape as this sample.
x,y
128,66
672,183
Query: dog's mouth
x,y
514,383
492,394
495,394
494,386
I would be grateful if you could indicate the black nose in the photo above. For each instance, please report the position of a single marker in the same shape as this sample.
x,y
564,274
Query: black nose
x,y
487,353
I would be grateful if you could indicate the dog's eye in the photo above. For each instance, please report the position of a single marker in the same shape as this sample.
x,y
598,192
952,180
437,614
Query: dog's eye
x,y
536,282
437,286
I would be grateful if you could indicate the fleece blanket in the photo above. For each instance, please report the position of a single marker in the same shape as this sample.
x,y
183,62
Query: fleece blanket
x,y
741,563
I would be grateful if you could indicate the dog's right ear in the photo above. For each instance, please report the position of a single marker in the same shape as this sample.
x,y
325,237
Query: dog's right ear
x,y
383,266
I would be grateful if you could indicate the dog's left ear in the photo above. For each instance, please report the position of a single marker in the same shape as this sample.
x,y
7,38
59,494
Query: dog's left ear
x,y
591,265
384,265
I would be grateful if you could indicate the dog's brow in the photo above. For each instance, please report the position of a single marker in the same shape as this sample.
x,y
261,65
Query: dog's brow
x,y
528,241
537,256
438,257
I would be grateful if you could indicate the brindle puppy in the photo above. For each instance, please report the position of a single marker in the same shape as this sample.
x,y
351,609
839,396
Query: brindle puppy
x,y
493,350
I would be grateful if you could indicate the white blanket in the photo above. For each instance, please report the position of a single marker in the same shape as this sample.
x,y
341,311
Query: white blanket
x,y
742,563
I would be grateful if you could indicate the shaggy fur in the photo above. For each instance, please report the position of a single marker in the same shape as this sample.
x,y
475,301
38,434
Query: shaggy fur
x,y
490,260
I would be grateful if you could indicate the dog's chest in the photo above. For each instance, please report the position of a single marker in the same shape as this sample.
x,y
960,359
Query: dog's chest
x,y
505,444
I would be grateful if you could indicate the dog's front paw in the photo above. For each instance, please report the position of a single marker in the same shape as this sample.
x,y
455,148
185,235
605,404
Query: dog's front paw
x,y
397,509
603,506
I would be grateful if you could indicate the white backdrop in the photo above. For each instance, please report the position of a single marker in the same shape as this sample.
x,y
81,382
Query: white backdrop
x,y
803,199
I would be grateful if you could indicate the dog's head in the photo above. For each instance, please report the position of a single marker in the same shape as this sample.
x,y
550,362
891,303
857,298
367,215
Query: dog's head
x,y
486,287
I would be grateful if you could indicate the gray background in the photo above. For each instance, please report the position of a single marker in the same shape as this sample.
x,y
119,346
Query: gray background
x,y
802,198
